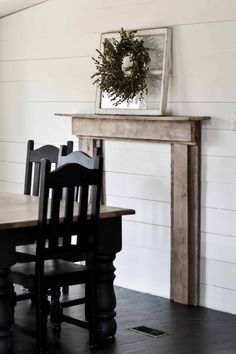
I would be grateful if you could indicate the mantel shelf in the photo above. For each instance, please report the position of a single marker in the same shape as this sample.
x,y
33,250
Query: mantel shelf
x,y
135,117
169,129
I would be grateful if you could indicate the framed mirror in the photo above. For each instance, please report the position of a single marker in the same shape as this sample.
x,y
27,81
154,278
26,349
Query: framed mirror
x,y
158,43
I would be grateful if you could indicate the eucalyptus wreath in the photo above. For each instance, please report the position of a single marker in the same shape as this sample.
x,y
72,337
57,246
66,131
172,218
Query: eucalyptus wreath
x,y
122,83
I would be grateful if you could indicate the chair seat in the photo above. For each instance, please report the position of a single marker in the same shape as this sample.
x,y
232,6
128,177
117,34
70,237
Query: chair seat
x,y
56,273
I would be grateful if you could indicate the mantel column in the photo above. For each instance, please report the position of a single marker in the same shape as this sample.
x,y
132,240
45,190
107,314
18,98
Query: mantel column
x,y
185,221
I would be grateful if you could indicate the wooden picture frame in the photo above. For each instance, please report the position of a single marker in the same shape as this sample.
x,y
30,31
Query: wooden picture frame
x,y
158,42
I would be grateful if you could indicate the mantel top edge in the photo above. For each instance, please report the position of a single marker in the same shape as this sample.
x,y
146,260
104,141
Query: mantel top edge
x,y
134,117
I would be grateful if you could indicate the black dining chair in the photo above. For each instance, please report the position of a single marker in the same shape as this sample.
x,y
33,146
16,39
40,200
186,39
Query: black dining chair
x,y
58,220
26,253
87,161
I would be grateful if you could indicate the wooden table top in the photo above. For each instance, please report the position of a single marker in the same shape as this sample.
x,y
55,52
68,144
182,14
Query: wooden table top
x,y
19,210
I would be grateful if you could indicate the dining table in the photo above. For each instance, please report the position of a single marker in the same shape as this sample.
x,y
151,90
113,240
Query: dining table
x,y
19,226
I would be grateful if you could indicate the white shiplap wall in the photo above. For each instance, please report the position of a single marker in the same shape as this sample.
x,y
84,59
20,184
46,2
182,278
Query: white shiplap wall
x,y
45,67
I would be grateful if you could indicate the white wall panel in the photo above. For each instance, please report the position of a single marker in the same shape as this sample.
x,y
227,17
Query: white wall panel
x,y
45,67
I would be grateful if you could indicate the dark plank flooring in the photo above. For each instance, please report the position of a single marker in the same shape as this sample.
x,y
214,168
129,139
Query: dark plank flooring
x,y
190,330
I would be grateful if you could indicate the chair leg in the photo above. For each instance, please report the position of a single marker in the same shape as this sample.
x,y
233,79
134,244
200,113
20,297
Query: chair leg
x,y
42,311
87,301
12,301
92,308
56,312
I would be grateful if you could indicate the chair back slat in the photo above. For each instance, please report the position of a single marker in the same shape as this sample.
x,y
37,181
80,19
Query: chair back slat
x,y
54,216
69,209
83,203
28,168
36,176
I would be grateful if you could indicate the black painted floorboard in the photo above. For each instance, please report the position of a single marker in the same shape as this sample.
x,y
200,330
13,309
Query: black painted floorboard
x,y
190,330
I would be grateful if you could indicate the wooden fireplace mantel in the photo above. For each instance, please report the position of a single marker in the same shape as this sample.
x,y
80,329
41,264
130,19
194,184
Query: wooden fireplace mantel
x,y
184,135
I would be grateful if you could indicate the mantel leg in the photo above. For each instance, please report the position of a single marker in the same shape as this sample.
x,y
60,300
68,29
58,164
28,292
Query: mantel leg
x,y
185,223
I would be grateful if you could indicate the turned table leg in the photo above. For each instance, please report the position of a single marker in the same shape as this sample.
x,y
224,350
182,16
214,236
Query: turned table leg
x,y
106,299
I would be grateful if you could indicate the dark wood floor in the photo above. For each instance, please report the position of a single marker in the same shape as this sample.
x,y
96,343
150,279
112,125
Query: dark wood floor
x,y
189,330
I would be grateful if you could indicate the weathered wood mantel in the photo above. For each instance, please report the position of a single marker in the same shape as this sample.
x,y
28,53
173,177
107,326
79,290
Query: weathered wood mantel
x,y
184,135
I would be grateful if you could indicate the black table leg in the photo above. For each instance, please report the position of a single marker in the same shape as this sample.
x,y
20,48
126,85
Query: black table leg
x,y
106,299
5,311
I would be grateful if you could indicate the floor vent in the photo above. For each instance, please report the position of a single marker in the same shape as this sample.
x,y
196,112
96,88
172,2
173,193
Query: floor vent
x,y
148,331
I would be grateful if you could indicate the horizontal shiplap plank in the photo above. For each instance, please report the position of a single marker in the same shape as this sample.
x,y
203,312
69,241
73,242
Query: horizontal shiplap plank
x,y
146,235
218,247
218,298
104,16
74,45
12,172
220,112
219,169
219,143
138,146
12,151
207,36
70,69
138,186
50,90
218,274
203,88
146,211
11,187
148,161
218,195
152,275
218,221
195,62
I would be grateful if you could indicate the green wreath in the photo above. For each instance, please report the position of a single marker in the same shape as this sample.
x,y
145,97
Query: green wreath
x,y
122,83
